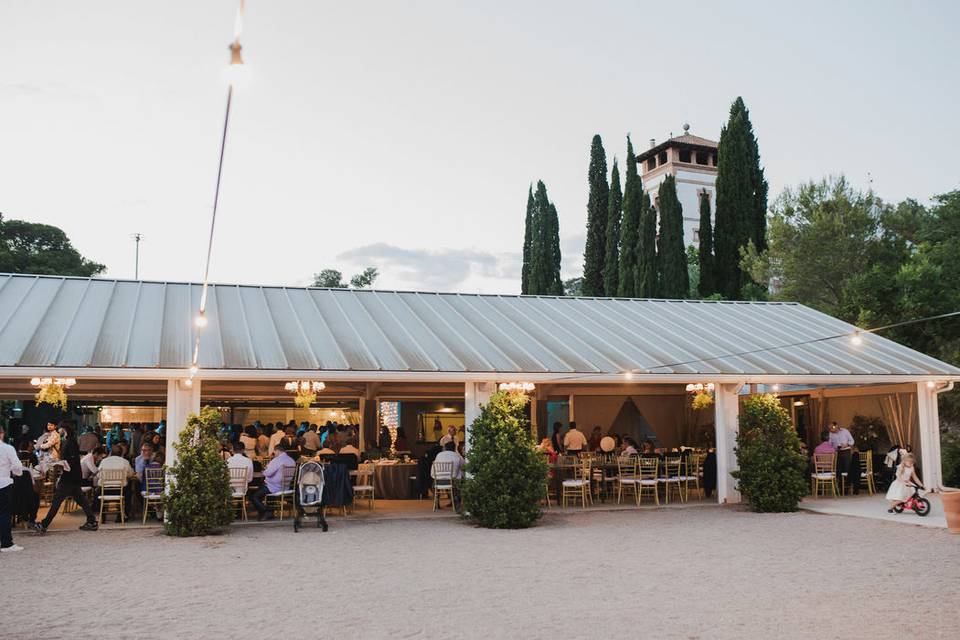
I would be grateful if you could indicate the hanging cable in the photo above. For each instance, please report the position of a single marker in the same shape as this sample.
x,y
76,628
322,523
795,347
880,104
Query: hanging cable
x,y
201,320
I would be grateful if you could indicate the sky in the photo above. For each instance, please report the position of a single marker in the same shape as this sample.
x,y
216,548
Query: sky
x,y
404,135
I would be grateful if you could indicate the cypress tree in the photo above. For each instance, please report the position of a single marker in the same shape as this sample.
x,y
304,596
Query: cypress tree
x,y
735,201
594,252
672,258
648,285
757,220
630,228
707,285
611,259
527,244
544,275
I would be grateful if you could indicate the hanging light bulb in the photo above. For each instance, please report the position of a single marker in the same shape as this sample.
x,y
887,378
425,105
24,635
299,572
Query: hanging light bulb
x,y
856,338
193,369
200,321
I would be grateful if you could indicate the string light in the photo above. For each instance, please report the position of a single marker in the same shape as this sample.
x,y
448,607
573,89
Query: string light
x,y
200,321
856,338
520,387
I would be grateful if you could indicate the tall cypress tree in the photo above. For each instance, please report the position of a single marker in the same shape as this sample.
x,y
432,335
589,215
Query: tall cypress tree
x,y
672,258
735,201
544,276
757,220
527,244
611,259
648,285
630,227
707,284
594,252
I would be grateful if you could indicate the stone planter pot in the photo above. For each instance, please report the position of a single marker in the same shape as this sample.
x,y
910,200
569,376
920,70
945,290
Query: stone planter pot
x,y
951,508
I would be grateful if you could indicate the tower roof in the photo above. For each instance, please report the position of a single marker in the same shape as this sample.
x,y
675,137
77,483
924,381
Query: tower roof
x,y
687,140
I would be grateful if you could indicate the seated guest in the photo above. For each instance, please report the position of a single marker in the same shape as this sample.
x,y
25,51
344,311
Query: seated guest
x,y
275,437
400,444
273,480
88,441
449,454
327,449
240,461
629,446
140,462
249,441
290,441
311,441
450,436
649,450
546,448
593,443
826,446
263,442
116,461
89,464
350,447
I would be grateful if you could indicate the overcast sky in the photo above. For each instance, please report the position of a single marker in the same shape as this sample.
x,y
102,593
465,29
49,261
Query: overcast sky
x,y
404,135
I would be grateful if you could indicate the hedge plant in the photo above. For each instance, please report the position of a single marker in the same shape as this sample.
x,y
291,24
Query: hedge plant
x,y
950,457
506,475
772,474
198,500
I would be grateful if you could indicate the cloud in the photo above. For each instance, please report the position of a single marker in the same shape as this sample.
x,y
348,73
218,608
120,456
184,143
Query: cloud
x,y
434,269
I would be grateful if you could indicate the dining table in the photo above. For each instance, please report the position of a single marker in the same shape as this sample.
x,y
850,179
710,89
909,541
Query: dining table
x,y
393,481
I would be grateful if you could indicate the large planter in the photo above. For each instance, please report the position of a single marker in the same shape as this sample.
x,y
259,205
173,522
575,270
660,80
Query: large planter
x,y
951,508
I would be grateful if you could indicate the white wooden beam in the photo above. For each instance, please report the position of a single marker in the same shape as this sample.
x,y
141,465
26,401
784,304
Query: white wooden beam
x,y
928,419
726,422
182,400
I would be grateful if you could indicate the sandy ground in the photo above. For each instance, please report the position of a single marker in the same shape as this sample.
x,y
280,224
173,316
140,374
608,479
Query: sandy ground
x,y
706,572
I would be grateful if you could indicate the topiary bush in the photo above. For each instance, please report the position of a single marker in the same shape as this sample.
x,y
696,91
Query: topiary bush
x,y
507,475
198,498
772,474
950,459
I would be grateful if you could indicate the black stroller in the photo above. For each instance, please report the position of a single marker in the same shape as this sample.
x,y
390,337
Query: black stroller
x,y
308,495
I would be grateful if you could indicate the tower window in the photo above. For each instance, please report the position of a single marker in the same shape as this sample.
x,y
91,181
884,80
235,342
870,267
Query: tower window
x,y
703,157
651,164
685,155
662,158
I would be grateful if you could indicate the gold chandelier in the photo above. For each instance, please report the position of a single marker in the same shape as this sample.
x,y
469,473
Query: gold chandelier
x,y
305,391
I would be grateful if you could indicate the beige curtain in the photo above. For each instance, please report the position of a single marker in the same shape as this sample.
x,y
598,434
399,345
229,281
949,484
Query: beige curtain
x,y
898,414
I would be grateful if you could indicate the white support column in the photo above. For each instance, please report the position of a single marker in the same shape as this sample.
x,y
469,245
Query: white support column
x,y
726,422
475,395
363,406
182,400
928,417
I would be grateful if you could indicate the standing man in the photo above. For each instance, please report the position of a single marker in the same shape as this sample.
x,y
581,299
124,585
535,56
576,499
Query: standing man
x,y
451,436
311,441
69,483
574,441
843,442
9,466
48,445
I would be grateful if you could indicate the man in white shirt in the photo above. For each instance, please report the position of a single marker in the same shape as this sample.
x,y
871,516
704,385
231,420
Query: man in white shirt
x,y
240,461
311,441
449,454
350,448
89,466
9,466
843,441
574,441
116,461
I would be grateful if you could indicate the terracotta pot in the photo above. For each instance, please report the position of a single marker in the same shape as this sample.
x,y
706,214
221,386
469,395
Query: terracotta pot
x,y
951,508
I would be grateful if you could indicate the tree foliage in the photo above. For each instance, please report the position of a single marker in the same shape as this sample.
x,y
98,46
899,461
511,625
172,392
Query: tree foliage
x,y
198,500
772,473
672,257
32,247
544,272
527,243
611,260
597,203
630,227
706,286
333,279
506,474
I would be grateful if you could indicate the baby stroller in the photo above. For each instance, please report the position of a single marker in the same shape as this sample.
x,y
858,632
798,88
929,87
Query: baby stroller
x,y
308,497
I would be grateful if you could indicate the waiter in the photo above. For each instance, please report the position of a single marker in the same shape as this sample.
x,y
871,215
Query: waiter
x,y
843,442
9,466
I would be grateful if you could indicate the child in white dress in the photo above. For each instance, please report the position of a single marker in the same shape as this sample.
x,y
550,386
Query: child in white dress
x,y
900,489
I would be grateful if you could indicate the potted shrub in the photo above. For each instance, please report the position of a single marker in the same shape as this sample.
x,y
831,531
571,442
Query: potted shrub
x,y
772,473
506,474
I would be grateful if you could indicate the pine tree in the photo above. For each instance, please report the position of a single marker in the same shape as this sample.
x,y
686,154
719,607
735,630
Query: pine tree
x,y
648,285
544,273
611,260
630,227
527,244
597,202
707,285
672,258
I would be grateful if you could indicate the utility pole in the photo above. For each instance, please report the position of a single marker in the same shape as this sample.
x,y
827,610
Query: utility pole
x,y
137,237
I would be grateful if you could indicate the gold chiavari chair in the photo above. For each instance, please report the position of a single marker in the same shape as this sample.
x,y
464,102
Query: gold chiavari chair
x,y
112,484
672,465
285,495
578,487
824,474
238,489
442,473
152,492
627,479
866,471
364,485
648,478
693,472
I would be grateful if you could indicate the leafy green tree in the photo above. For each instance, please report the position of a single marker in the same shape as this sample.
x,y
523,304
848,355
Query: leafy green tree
x,y
42,249
693,269
772,473
545,246
507,476
573,287
553,234
707,284
757,217
630,227
597,203
527,243
198,498
611,260
672,258
648,262
365,278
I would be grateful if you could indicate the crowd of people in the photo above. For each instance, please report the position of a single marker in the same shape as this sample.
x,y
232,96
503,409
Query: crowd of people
x,y
572,441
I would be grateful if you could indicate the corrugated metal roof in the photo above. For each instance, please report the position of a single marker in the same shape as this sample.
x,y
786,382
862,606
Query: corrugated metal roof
x,y
50,321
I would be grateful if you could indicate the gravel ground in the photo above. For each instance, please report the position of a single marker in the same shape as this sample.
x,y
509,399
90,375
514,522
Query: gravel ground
x,y
670,573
